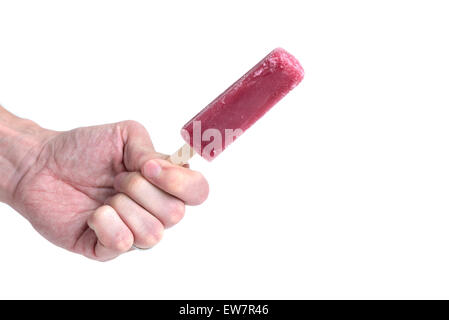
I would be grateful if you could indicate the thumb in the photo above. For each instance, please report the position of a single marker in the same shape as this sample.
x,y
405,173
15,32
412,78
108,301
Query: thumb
x,y
138,147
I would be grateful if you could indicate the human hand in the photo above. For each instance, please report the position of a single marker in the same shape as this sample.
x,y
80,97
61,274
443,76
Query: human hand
x,y
99,190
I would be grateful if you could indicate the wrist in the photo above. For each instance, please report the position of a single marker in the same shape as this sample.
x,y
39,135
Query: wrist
x,y
20,143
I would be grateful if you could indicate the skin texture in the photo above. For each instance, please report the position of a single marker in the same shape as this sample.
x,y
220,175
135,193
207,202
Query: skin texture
x,y
97,190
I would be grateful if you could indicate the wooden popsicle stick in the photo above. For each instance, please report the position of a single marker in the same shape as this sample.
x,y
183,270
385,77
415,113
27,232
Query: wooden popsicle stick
x,y
183,155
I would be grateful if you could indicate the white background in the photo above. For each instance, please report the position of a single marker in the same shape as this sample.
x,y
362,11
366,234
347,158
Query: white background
x,y
340,191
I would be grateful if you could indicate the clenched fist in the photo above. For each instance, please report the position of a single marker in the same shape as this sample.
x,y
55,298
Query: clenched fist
x,y
97,190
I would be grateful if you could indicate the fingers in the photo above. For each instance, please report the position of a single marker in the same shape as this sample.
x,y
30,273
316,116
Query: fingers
x,y
146,229
139,155
114,237
188,185
166,208
120,224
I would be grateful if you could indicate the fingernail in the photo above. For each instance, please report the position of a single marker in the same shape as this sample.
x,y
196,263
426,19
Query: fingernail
x,y
152,169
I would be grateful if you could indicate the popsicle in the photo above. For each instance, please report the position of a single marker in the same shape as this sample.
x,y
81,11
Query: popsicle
x,y
240,106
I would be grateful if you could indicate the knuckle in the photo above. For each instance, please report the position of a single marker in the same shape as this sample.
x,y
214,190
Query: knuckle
x,y
158,233
99,215
202,189
176,212
135,182
150,239
133,123
122,242
147,241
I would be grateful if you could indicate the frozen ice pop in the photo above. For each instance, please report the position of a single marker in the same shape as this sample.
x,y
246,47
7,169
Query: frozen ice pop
x,y
240,106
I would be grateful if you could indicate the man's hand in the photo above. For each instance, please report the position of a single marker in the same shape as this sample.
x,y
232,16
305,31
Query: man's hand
x,y
99,190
